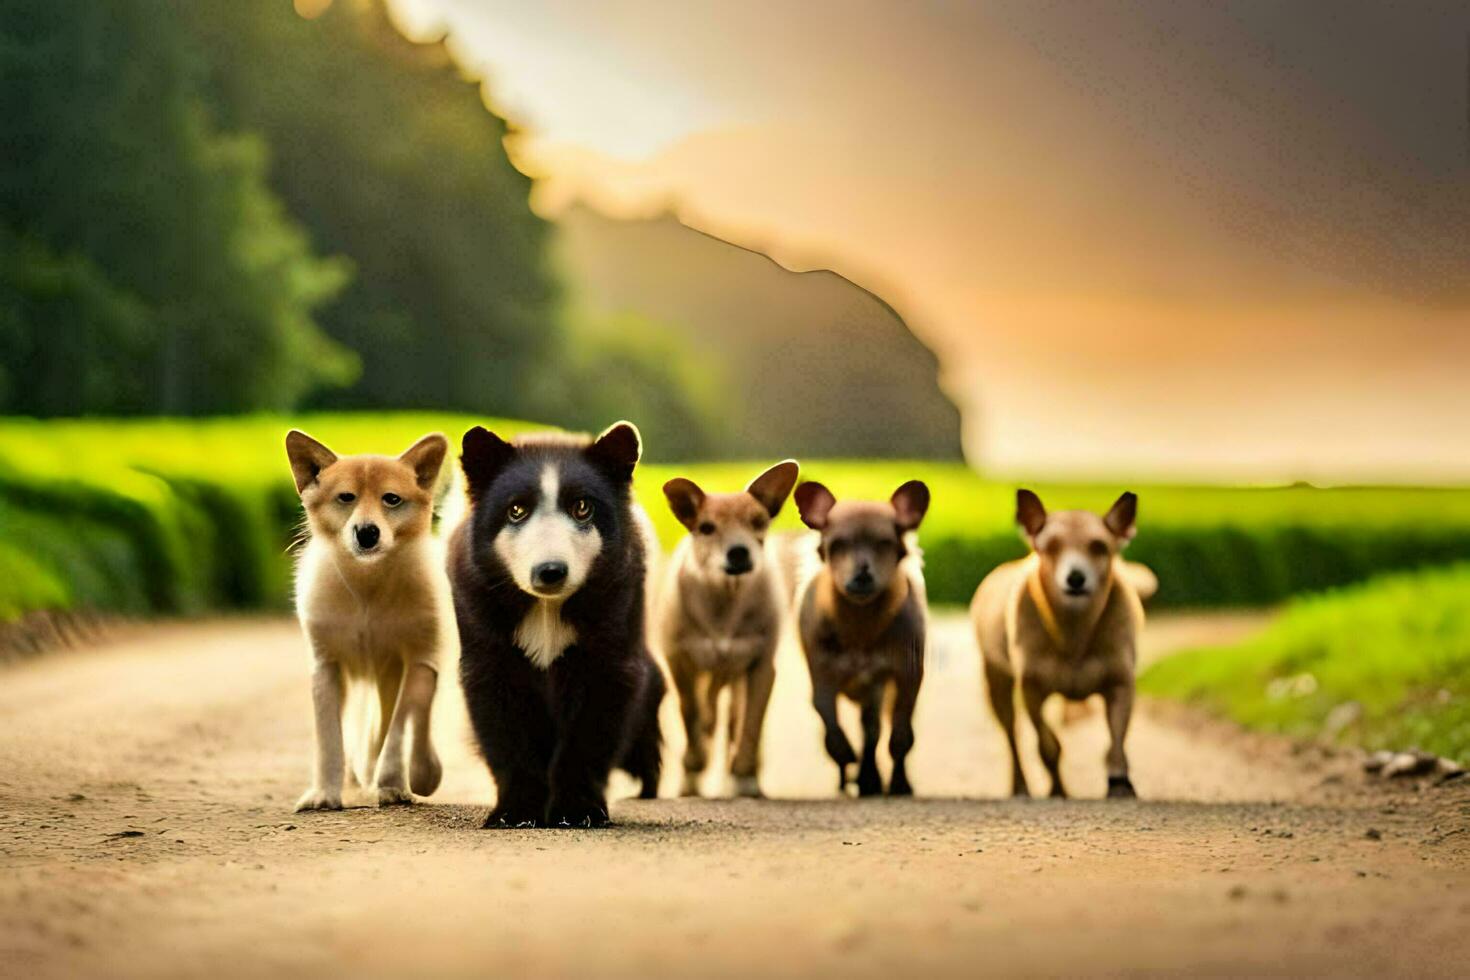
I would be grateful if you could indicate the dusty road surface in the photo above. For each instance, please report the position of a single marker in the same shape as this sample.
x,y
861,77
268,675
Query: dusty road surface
x,y
146,829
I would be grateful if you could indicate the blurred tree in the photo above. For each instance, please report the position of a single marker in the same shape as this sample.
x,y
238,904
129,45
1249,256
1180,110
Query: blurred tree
x,y
147,266
627,366
389,155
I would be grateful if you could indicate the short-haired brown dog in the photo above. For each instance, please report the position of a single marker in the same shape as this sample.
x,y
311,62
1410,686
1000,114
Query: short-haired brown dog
x,y
373,599
1064,620
862,623
719,618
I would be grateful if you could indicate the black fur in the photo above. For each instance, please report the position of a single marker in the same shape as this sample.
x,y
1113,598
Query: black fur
x,y
552,736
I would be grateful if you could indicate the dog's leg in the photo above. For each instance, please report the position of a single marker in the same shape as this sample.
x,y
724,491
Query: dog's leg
x,y
1000,685
710,714
592,721
514,732
1046,739
824,699
644,757
1119,700
869,781
390,778
901,739
696,752
745,764
387,682
738,690
327,686
424,769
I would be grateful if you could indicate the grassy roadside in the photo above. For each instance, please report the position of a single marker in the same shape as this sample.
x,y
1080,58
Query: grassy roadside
x,y
1383,664
179,516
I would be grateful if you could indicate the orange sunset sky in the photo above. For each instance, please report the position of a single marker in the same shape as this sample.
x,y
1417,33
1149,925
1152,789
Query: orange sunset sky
x,y
1159,238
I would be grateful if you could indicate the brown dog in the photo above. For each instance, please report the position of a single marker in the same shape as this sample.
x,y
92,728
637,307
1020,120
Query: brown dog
x,y
1064,620
373,600
719,617
862,623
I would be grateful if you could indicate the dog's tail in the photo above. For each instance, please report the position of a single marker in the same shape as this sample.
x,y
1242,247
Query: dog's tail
x,y
451,501
795,559
913,566
1141,577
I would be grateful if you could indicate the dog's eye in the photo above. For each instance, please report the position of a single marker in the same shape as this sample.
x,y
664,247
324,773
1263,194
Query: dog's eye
x,y
759,524
706,528
582,510
517,513
346,498
391,500
1098,547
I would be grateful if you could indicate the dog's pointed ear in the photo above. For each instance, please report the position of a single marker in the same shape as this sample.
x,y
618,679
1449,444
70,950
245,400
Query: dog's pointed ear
x,y
1030,514
1122,520
684,498
308,458
618,449
773,486
815,502
483,455
426,457
910,504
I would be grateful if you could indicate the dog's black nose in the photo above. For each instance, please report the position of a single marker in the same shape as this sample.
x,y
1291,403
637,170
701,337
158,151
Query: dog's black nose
x,y
549,574
1076,579
737,560
367,536
861,582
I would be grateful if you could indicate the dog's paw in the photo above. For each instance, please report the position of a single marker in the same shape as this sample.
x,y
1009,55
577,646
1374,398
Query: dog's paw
x,y
1121,788
425,772
900,786
511,818
394,796
319,799
869,783
690,785
746,786
586,816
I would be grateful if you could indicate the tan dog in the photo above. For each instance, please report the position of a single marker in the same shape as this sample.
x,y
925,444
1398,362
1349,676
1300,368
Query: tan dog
x,y
373,599
1065,620
862,621
719,618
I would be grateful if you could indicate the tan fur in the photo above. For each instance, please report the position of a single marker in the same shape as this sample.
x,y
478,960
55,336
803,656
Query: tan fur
x,y
1032,632
718,629
381,621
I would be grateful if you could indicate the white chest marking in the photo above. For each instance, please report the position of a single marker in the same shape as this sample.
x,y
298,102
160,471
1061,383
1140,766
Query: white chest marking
x,y
543,634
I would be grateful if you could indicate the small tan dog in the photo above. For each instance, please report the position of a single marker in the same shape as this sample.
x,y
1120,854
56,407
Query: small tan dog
x,y
1065,620
719,618
373,599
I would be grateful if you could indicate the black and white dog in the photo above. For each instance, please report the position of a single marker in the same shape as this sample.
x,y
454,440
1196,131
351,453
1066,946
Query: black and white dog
x,y
548,576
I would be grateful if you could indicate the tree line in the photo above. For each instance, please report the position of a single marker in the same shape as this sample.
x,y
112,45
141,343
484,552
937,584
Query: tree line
x,y
212,207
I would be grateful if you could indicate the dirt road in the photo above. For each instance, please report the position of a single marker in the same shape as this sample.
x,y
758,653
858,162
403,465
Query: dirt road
x,y
146,829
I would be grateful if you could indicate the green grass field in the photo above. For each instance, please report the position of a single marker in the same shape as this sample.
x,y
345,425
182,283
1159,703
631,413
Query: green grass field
x,y
1399,646
182,516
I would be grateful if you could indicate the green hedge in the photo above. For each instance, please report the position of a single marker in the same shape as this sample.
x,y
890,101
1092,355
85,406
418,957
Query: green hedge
x,y
185,516
1397,646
